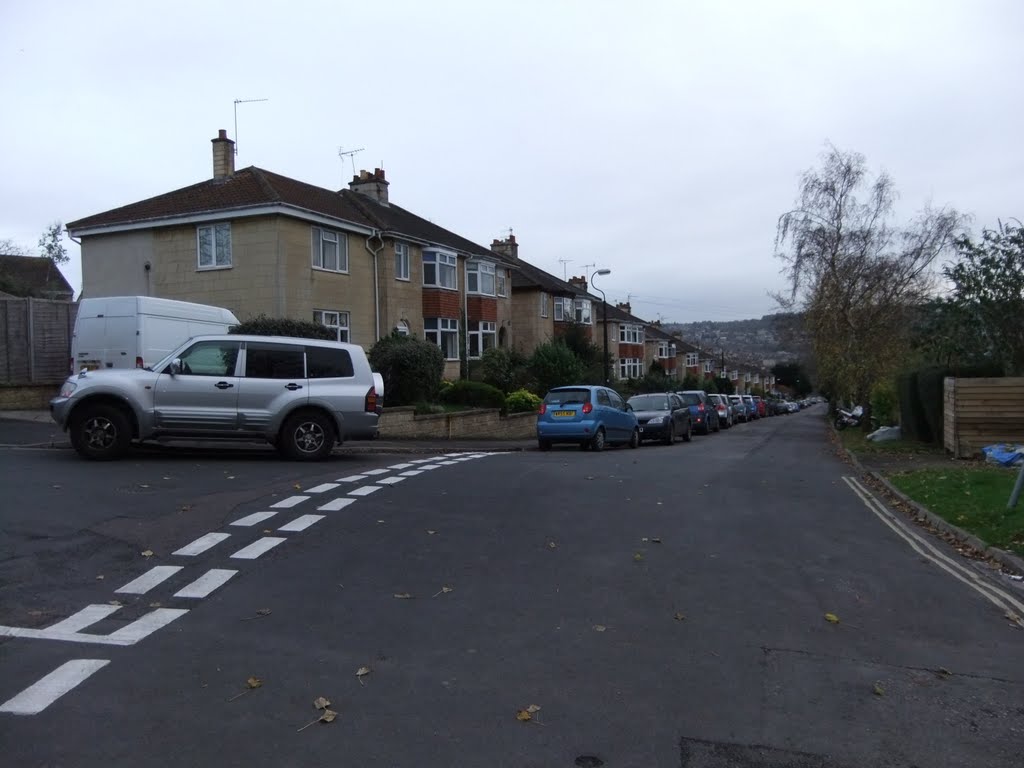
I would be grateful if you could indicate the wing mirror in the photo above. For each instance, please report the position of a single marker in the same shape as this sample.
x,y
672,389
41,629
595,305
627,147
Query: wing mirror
x,y
175,366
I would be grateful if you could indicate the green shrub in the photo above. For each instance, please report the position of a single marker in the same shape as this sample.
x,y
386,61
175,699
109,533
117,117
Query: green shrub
x,y
261,325
411,368
522,401
473,393
884,403
502,368
553,364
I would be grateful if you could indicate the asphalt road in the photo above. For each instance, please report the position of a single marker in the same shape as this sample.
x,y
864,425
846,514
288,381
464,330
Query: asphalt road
x,y
663,607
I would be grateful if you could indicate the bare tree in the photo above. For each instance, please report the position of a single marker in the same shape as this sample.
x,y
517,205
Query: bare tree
x,y
9,247
856,275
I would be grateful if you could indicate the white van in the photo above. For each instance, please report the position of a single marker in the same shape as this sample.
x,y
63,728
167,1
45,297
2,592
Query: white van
x,y
138,331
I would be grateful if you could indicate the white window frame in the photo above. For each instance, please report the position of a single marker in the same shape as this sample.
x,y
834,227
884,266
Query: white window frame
x,y
708,366
544,299
480,333
631,334
733,375
402,261
443,331
339,240
501,283
583,311
480,278
563,308
692,359
338,320
631,368
746,377
665,350
215,260
446,265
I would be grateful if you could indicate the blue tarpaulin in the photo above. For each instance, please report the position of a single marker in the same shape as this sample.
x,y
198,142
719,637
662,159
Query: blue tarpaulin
x,y
1006,454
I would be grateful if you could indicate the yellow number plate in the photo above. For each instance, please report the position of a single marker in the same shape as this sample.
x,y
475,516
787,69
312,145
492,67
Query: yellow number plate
x,y
565,413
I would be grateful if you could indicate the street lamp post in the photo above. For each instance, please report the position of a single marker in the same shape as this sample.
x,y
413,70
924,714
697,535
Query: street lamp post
x,y
604,320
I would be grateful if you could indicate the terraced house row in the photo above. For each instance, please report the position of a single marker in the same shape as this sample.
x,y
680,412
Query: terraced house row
x,y
258,243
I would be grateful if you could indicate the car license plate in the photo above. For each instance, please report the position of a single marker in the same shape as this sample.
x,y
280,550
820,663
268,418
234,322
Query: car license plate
x,y
565,413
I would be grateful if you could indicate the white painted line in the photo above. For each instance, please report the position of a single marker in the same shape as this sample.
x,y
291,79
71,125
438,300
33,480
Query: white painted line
x,y
257,548
253,519
288,503
447,463
201,544
335,504
375,472
205,584
352,479
366,490
322,488
422,461
88,615
128,635
453,455
301,523
401,466
156,575
142,627
412,473
43,693
390,480
426,467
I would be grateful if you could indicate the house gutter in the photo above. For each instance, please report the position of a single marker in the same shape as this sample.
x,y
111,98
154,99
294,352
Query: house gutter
x,y
376,279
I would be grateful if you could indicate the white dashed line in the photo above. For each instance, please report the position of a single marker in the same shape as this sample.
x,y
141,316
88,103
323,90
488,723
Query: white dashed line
x,y
201,544
352,479
301,523
429,466
206,583
156,575
140,628
447,463
322,488
257,548
42,694
390,480
288,503
375,472
366,490
421,461
253,519
84,618
401,466
335,504
412,473
67,630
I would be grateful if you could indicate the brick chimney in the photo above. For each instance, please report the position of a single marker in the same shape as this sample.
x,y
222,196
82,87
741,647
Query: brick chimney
x,y
371,184
625,307
508,247
223,156
579,282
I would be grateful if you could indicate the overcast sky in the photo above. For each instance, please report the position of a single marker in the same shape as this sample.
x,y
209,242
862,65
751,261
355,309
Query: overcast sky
x,y
660,140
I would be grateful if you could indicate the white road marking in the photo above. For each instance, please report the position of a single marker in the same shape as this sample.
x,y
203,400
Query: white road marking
x,y
201,544
447,463
366,490
43,693
412,473
127,635
288,503
301,523
253,519
205,584
142,627
426,467
84,618
352,479
390,480
323,488
421,461
375,472
155,575
257,548
401,466
335,504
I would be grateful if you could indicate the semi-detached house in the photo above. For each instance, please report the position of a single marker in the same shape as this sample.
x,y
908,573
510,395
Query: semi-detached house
x,y
259,243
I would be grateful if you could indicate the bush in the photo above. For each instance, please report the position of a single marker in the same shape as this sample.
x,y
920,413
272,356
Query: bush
x,y
411,368
885,403
473,393
554,364
522,401
503,368
261,325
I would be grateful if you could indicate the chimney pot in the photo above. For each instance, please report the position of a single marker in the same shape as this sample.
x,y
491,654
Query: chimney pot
x,y
372,185
223,156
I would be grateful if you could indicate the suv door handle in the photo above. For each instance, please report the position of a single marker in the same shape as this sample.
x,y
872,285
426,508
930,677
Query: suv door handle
x,y
293,387
223,385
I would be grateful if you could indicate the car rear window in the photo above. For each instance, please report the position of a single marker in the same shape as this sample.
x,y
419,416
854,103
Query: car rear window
x,y
690,398
329,363
567,397
649,403
273,361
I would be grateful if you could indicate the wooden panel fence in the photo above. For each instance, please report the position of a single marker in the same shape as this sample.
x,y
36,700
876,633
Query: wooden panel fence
x,y
980,412
35,340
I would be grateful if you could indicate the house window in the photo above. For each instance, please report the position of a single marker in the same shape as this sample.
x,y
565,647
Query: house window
x,y
665,350
336,321
544,305
563,308
439,269
691,359
631,334
707,366
401,261
214,246
480,278
402,328
481,338
630,368
582,315
444,332
746,377
733,375
330,250
501,282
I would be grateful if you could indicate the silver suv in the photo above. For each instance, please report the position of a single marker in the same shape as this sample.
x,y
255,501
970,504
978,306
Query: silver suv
x,y
301,395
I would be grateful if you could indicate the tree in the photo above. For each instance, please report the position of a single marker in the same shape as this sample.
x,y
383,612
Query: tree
x,y
51,244
856,275
9,247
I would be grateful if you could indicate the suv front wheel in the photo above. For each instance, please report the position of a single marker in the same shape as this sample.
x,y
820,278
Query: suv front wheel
x,y
100,432
307,436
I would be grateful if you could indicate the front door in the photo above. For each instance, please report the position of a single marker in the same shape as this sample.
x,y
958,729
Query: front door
x,y
203,397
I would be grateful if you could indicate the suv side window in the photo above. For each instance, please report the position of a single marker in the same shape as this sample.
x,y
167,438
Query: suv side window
x,y
264,360
329,363
210,358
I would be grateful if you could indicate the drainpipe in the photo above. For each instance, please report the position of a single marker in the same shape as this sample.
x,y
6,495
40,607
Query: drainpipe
x,y
376,281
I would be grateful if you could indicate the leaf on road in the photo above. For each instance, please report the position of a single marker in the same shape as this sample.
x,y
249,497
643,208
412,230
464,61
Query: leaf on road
x,y
599,627
362,672
147,553
403,596
526,715
321,702
328,716
101,577
552,545
878,690
945,672
430,532
831,618
116,602
638,556
679,616
155,605
259,614
533,708
297,487
250,685
655,539
444,590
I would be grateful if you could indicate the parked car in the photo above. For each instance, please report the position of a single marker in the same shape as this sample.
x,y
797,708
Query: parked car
x,y
662,416
724,407
301,395
748,401
703,416
592,416
739,408
762,407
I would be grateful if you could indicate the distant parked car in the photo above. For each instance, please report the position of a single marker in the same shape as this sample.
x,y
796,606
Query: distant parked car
x,y
762,407
591,416
662,416
702,414
739,408
748,401
724,407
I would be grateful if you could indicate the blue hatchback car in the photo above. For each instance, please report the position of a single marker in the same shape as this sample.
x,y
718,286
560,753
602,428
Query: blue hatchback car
x,y
591,416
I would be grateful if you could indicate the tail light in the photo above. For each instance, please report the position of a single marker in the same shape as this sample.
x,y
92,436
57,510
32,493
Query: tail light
x,y
370,405
139,363
587,408
543,408
701,407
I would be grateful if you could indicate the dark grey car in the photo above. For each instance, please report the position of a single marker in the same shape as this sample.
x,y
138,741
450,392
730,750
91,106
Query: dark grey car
x,y
662,416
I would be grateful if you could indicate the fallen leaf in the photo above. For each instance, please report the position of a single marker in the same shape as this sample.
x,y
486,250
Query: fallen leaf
x,y
143,486
259,614
831,618
944,672
147,553
638,556
599,627
101,577
267,530
430,532
116,602
362,671
523,716
552,545
403,596
533,708
230,477
297,487
878,690
155,605
444,590
321,702
679,616
328,716
656,540
253,682
644,540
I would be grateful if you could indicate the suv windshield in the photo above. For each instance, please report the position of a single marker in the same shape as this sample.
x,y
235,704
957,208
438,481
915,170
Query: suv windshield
x,y
567,397
649,402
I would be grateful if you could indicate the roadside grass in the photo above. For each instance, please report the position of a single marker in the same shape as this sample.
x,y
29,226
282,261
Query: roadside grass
x,y
853,440
971,498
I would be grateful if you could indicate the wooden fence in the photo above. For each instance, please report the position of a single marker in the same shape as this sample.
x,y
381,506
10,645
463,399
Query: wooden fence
x,y
35,340
980,412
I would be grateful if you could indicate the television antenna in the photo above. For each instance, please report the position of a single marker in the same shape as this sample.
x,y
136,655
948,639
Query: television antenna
x,y
351,155
563,262
237,102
